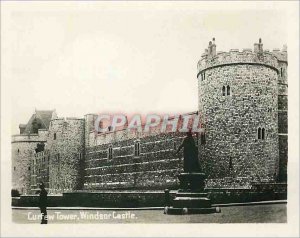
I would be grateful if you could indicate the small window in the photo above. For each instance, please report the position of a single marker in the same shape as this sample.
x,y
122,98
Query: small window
x,y
203,76
228,90
54,136
137,149
14,168
230,164
110,152
223,90
203,138
18,151
29,168
281,72
263,133
259,133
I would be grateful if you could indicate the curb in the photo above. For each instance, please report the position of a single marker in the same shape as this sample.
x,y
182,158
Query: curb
x,y
90,208
251,203
152,208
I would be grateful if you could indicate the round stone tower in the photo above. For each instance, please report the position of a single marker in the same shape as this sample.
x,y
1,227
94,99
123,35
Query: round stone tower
x,y
238,106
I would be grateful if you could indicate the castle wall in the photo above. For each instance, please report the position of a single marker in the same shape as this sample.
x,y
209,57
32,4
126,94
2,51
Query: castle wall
x,y
232,147
240,94
156,167
282,114
40,170
23,149
66,149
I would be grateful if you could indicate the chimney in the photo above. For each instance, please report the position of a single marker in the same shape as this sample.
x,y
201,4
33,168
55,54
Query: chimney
x,y
284,48
258,47
22,128
209,48
213,48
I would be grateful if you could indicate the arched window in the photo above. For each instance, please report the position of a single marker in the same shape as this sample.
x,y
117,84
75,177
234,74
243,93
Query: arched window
x,y
259,133
223,90
228,90
263,133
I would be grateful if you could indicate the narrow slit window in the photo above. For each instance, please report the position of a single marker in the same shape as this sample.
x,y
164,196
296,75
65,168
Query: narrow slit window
x,y
230,163
110,151
137,149
54,136
203,138
223,90
228,90
174,146
259,133
263,133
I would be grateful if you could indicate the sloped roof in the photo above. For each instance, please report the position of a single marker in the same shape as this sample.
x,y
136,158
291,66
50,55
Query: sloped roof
x,y
40,120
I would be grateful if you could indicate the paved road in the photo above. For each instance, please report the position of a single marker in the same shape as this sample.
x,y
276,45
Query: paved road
x,y
275,213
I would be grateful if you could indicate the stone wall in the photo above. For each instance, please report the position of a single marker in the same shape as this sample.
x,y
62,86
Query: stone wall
x,y
231,121
155,167
66,151
40,170
282,114
23,149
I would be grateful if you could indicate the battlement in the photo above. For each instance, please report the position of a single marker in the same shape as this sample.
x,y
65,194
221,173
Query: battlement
x,y
281,55
63,120
27,138
211,58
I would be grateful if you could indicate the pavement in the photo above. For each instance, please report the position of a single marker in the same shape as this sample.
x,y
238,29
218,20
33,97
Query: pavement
x,y
258,212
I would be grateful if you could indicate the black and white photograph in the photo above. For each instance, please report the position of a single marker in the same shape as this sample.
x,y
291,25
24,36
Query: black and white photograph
x,y
174,118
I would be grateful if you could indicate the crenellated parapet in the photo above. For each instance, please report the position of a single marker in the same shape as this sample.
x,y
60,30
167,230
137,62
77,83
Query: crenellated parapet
x,y
235,56
281,55
41,136
211,58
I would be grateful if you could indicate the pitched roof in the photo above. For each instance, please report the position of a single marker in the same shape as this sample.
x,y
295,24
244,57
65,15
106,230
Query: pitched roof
x,y
39,120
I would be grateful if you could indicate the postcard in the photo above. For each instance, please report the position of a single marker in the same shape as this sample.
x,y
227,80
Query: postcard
x,y
150,118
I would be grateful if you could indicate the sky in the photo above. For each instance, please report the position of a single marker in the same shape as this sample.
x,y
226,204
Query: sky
x,y
128,57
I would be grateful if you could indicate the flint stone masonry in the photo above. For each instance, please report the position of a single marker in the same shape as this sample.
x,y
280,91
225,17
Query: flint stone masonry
x,y
40,170
155,168
258,99
66,147
22,147
231,122
236,57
